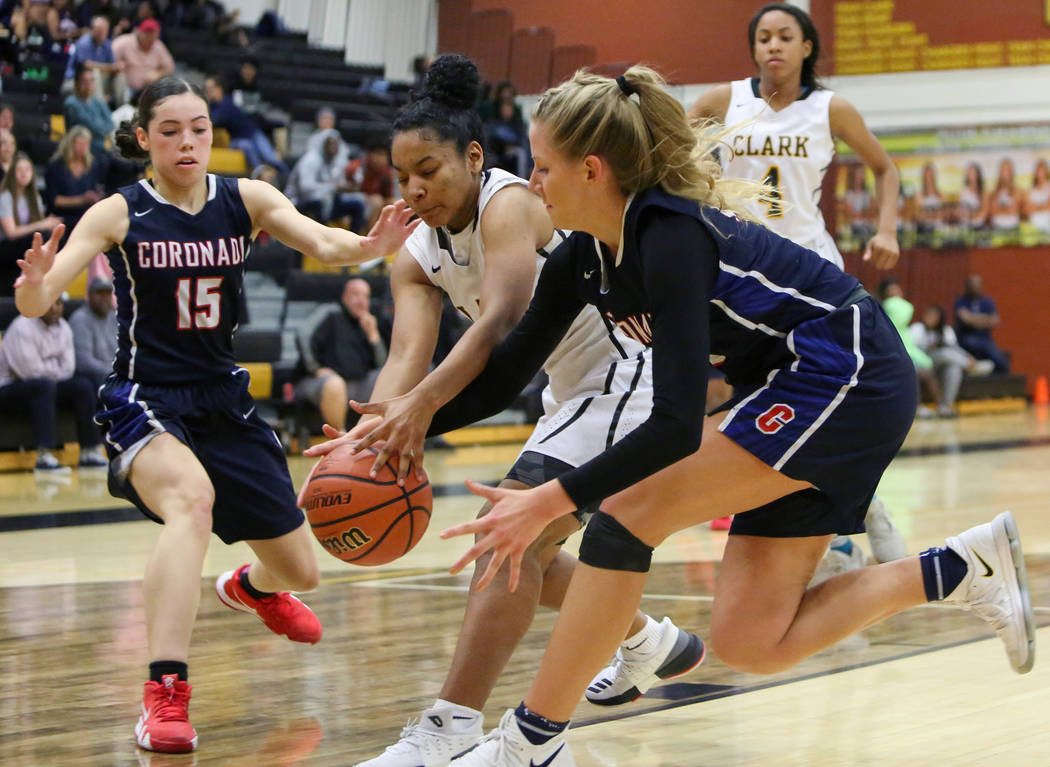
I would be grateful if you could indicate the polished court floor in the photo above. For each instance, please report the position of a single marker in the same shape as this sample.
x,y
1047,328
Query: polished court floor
x,y
930,686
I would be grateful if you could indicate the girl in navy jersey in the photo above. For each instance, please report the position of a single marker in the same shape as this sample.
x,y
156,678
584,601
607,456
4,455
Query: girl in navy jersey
x,y
484,238
823,401
782,127
184,440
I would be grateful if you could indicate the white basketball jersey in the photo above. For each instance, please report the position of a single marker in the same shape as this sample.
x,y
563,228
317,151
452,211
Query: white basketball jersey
x,y
455,262
789,150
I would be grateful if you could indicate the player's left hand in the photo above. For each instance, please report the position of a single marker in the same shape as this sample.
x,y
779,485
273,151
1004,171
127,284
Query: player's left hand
x,y
883,250
39,257
516,519
402,426
390,231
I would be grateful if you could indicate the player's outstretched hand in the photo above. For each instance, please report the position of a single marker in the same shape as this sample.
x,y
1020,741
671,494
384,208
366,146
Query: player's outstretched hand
x,y
401,427
516,519
883,250
390,231
39,258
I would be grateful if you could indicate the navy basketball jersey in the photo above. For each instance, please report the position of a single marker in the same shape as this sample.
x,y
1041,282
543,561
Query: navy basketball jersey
x,y
178,279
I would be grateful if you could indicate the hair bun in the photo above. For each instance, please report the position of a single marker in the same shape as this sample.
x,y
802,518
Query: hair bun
x,y
452,80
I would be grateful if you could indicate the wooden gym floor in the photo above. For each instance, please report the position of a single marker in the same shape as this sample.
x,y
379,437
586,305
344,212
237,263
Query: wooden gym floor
x,y
929,686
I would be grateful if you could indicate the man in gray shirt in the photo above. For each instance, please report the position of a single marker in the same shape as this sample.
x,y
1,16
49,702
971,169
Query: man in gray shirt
x,y
95,332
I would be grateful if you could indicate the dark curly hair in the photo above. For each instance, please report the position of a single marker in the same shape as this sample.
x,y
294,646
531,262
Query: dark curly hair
x,y
125,138
445,104
809,32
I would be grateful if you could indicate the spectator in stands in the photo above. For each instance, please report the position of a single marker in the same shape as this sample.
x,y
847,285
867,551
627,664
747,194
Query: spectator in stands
x,y
8,149
341,351
900,312
37,374
83,107
212,17
61,21
94,328
244,133
318,187
7,116
75,178
1004,202
975,318
506,132
87,10
244,84
1036,205
372,176
144,57
22,212
325,124
94,51
934,336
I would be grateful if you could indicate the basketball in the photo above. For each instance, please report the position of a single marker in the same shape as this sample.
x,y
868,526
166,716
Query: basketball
x,y
365,520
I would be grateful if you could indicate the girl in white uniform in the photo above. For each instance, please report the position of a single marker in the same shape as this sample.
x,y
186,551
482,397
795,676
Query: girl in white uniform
x,y
484,241
1037,201
782,127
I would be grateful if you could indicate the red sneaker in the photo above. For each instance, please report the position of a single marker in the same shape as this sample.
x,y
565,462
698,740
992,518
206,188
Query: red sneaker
x,y
165,721
282,613
722,523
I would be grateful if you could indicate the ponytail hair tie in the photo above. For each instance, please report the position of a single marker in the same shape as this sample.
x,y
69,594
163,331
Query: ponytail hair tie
x,y
626,87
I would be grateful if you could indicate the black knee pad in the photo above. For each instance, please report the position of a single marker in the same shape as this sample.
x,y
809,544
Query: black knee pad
x,y
609,545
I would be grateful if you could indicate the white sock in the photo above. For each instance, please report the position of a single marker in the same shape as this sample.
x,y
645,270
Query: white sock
x,y
646,640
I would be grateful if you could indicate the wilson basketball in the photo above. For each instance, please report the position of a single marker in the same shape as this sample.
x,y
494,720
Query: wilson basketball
x,y
361,519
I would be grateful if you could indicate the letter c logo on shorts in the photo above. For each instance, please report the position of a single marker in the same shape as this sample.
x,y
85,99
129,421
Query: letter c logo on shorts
x,y
775,418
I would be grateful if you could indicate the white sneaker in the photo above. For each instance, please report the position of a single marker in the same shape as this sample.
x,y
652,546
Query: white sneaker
x,y
887,543
982,368
836,562
507,746
996,587
632,673
440,735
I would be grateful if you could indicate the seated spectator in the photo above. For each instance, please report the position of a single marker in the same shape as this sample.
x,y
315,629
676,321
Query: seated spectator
x,y
341,351
61,21
372,176
318,187
83,107
506,133
900,312
87,10
37,374
210,16
975,318
325,125
7,116
94,327
8,148
94,51
22,212
144,57
244,132
244,90
75,178
935,336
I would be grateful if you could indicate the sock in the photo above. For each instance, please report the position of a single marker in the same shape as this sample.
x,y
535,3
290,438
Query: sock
x,y
253,592
538,729
460,709
646,640
942,571
158,669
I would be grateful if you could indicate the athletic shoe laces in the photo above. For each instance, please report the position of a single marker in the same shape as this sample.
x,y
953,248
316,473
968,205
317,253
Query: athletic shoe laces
x,y
171,706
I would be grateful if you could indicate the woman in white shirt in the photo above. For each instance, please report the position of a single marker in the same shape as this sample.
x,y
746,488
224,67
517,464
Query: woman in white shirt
x,y
950,361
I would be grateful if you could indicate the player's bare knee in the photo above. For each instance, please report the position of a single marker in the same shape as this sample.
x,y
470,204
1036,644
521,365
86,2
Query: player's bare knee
x,y
608,545
303,576
743,651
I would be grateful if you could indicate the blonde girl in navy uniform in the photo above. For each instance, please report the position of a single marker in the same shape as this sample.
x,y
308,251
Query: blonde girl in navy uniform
x,y
184,441
823,402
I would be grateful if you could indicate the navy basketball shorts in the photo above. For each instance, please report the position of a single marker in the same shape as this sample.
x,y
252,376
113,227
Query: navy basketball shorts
x,y
216,420
835,418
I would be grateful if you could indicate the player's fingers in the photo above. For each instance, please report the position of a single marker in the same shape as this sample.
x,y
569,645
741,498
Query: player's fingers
x,y
370,408
405,461
515,572
331,432
56,236
418,461
381,458
300,499
473,553
466,528
495,563
335,439
489,493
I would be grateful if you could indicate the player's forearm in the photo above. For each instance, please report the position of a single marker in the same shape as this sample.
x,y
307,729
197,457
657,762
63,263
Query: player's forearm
x,y
34,299
340,247
887,192
461,366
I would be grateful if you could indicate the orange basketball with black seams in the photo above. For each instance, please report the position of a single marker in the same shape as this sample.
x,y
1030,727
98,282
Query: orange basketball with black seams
x,y
361,519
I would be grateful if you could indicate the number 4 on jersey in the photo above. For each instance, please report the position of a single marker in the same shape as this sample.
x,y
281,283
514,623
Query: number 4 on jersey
x,y
772,197
206,309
